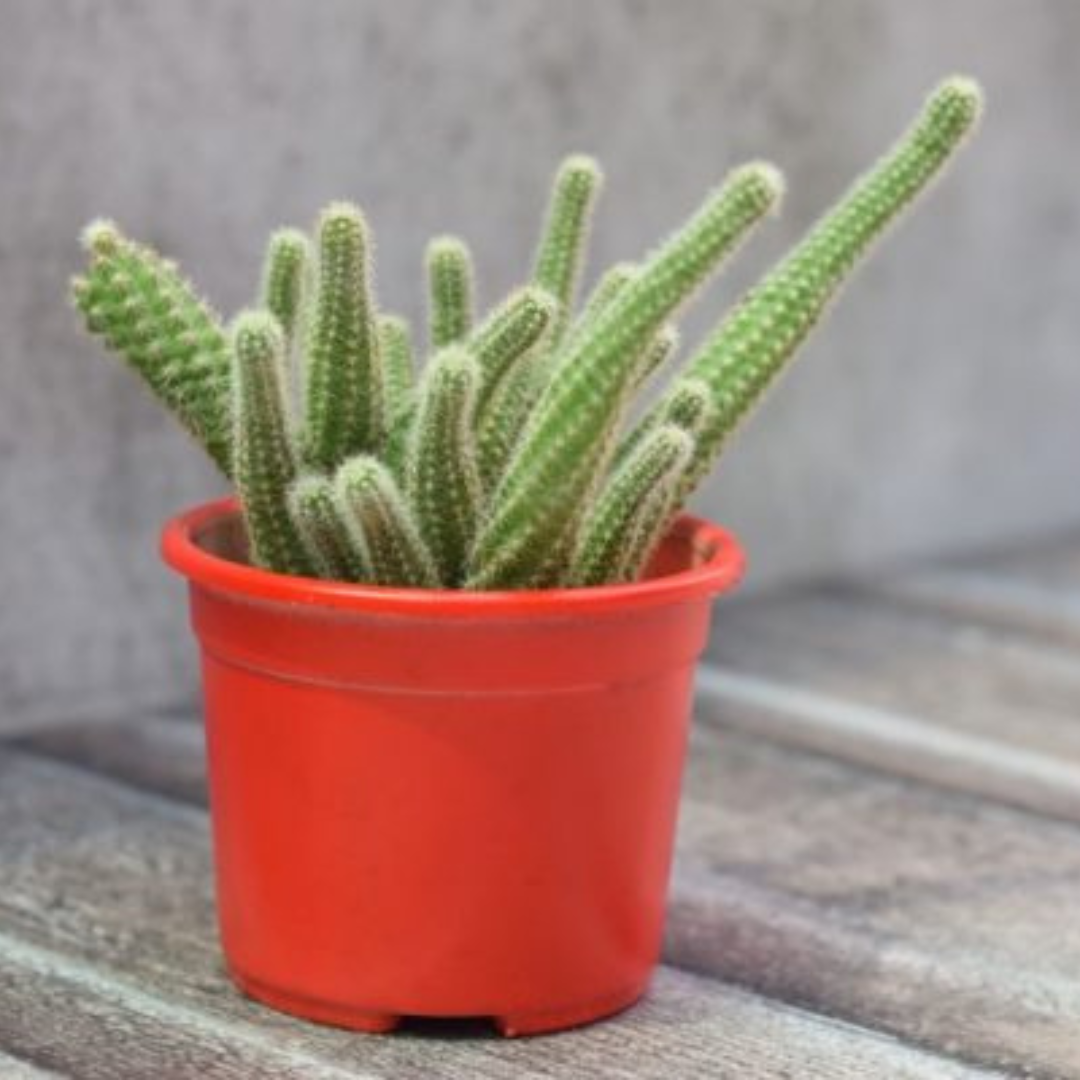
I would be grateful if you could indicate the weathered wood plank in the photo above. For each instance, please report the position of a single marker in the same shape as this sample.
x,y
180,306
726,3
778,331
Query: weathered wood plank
x,y
12,1068
902,689
105,883
765,831
947,919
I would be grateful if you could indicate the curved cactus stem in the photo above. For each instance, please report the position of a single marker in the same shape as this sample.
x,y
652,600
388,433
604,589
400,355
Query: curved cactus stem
x,y
761,335
344,399
263,465
552,468
654,356
689,405
380,525
611,283
325,537
152,318
499,344
286,268
442,480
450,290
632,511
399,366
561,252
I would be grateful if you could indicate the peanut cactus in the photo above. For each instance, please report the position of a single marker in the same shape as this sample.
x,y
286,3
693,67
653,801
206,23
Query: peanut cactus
x,y
509,461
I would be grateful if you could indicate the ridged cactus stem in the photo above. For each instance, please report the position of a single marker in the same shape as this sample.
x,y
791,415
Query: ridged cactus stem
x,y
327,540
381,525
561,252
399,366
553,466
450,288
611,283
503,340
442,477
761,335
632,510
285,279
344,399
152,318
264,467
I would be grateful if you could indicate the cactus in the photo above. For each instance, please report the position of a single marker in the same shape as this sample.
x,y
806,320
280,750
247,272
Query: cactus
x,y
264,465
450,285
345,407
508,461
381,525
323,532
561,251
632,509
285,270
442,474
399,366
556,462
150,315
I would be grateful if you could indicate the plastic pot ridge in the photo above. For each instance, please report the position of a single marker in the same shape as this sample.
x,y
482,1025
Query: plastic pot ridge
x,y
441,804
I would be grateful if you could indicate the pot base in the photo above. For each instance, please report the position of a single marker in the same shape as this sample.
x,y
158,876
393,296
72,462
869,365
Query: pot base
x,y
380,1023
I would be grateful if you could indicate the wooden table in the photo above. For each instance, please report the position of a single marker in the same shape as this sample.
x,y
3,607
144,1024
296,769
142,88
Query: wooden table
x,y
878,871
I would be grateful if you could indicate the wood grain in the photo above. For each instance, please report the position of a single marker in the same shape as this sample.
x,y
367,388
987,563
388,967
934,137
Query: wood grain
x,y
944,918
106,912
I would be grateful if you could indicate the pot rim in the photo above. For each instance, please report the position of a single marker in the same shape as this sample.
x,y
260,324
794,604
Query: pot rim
x,y
722,565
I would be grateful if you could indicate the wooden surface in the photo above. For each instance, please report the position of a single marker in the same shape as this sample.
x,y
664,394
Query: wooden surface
x,y
878,872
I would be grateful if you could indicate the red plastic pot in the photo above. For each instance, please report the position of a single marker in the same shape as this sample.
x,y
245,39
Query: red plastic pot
x,y
444,804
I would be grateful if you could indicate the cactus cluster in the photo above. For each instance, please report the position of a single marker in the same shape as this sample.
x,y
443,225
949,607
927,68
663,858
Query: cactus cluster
x,y
509,460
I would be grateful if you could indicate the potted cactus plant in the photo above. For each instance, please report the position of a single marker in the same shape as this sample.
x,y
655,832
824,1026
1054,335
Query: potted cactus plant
x,y
449,622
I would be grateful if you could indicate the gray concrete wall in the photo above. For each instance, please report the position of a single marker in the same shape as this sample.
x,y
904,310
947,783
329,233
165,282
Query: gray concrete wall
x,y
937,410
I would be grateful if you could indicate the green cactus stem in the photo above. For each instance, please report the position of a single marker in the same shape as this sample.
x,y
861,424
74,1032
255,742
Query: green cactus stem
x,y
264,467
633,510
561,251
284,280
152,318
555,463
399,366
442,476
327,541
344,401
506,337
450,289
381,525
761,335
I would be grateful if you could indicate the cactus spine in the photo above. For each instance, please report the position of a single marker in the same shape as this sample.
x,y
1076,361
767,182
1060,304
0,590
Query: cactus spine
x,y
148,314
345,408
450,284
264,466
509,462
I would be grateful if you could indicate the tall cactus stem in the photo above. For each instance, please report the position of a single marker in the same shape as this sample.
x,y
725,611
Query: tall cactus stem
x,y
264,466
553,467
381,525
149,315
328,542
756,341
285,280
344,399
561,251
399,366
450,288
442,477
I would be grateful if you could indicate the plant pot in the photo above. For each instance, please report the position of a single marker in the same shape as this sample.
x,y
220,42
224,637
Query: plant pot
x,y
444,804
